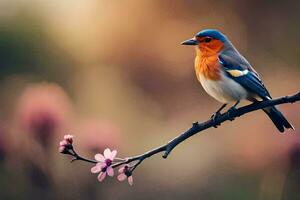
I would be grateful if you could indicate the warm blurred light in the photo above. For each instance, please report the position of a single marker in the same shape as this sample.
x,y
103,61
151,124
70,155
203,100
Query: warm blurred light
x,y
133,87
96,135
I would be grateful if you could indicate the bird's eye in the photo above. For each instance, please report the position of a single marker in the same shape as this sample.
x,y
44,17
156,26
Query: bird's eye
x,y
207,40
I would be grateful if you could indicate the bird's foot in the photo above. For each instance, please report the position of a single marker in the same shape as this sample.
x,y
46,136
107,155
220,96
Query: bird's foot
x,y
230,113
214,117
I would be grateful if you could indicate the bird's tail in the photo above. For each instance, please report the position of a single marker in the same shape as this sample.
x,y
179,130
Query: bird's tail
x,y
278,119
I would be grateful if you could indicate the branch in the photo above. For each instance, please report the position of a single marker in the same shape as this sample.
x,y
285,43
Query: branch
x,y
230,115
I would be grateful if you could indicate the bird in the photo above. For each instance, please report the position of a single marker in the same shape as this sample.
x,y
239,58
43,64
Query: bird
x,y
228,77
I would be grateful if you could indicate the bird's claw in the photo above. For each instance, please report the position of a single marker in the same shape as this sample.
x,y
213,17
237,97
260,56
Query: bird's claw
x,y
230,113
214,117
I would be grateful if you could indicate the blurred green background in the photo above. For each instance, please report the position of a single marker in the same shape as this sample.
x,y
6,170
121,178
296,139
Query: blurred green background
x,y
113,74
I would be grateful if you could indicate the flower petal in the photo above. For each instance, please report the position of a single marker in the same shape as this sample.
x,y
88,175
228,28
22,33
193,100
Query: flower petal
x,y
99,157
130,180
110,171
113,154
122,177
107,153
61,149
68,137
96,169
101,176
63,143
121,169
102,164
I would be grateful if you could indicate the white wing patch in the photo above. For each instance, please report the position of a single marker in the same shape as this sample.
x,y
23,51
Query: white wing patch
x,y
237,73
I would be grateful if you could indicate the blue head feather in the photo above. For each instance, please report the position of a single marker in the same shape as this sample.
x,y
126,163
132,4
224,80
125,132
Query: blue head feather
x,y
212,33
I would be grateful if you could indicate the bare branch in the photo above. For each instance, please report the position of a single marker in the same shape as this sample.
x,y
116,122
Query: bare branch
x,y
197,128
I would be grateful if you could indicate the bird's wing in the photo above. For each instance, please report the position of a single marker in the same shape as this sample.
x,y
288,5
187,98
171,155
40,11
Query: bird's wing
x,y
244,74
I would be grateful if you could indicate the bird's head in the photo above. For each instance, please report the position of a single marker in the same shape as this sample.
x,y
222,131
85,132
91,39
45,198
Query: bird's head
x,y
208,41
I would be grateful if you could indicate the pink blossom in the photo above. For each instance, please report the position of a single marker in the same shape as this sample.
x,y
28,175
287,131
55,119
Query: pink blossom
x,y
104,165
68,139
66,144
125,173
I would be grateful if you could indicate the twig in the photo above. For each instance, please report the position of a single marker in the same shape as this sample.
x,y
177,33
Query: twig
x,y
198,127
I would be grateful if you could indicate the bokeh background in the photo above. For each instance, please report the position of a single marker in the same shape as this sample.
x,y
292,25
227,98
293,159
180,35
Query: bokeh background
x,y
113,74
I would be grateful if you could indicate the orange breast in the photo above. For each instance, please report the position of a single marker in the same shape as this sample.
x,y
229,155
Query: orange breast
x,y
207,66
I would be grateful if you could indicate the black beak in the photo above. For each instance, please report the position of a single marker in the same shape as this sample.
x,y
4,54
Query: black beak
x,y
190,42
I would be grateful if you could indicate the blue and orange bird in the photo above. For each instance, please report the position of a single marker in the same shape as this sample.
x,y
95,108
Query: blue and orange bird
x,y
227,76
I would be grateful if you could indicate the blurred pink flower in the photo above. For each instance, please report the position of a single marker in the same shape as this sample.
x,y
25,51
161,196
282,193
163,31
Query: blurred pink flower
x,y
125,173
42,109
104,165
66,144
